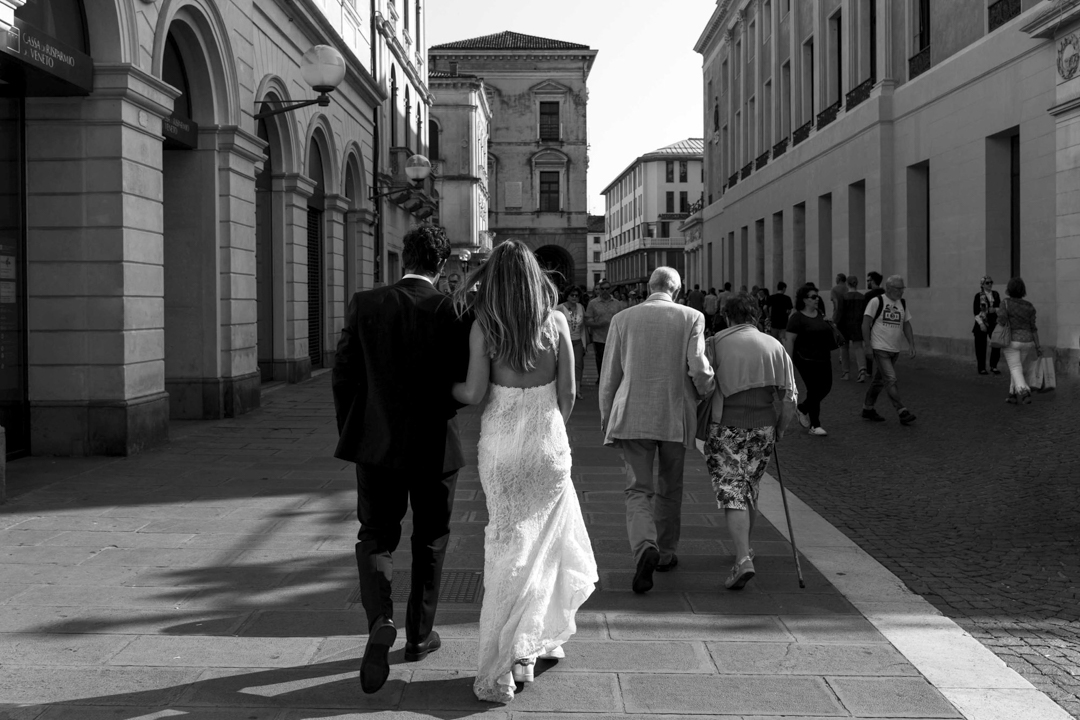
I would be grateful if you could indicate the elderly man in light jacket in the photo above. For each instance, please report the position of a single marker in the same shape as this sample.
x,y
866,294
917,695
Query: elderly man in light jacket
x,y
654,372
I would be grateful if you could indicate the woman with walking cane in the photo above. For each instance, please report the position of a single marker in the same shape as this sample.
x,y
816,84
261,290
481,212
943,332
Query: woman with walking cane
x,y
753,404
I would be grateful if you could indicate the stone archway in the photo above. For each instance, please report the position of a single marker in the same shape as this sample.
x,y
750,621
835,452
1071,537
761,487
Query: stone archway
x,y
557,263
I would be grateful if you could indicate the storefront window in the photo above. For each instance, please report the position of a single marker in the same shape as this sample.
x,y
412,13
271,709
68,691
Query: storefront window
x,y
14,408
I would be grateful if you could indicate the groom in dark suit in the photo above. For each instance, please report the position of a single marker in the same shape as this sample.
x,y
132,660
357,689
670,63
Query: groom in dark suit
x,y
400,352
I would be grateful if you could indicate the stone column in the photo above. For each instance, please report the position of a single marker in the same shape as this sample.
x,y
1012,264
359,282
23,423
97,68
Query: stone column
x,y
239,155
363,225
1059,325
95,267
886,72
336,207
295,189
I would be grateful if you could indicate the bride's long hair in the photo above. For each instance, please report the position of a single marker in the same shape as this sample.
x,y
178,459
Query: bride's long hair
x,y
513,301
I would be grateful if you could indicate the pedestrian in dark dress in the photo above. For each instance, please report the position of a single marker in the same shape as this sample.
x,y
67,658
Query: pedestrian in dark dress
x,y
985,307
809,341
779,307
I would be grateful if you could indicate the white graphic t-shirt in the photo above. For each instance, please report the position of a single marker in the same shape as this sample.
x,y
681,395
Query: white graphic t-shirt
x,y
887,333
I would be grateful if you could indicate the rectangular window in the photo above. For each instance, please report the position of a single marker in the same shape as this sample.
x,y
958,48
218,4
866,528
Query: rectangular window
x,y
918,221
682,171
825,240
744,256
596,256
777,248
549,192
759,252
766,21
808,104
785,100
669,171
798,244
856,263
766,118
549,121
665,229
684,202
921,41
670,205
835,85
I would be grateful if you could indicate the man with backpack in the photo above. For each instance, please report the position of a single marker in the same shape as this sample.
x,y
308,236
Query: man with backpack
x,y
886,324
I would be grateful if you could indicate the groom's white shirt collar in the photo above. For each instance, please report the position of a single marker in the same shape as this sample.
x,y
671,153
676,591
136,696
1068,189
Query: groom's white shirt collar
x,y
410,276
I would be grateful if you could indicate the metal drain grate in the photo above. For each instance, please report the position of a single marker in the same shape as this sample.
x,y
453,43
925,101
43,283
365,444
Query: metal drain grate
x,y
458,586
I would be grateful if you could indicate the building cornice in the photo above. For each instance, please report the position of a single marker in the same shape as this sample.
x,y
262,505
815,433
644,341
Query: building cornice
x,y
714,26
650,157
1047,22
586,56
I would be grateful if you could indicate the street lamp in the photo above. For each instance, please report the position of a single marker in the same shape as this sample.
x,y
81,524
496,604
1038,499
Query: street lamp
x,y
323,68
463,257
417,169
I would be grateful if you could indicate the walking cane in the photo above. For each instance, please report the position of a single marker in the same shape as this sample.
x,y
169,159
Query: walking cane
x,y
791,533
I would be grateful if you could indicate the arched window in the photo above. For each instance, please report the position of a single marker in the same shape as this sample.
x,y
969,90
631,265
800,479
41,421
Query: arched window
x,y
393,106
419,129
716,117
408,117
173,72
433,141
65,20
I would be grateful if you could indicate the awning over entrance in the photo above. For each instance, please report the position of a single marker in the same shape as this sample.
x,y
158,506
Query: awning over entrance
x,y
34,64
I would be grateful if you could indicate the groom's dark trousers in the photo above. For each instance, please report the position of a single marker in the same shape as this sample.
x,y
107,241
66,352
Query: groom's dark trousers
x,y
401,350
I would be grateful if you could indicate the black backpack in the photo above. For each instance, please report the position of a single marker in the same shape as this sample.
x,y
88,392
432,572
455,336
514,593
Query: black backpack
x,y
879,293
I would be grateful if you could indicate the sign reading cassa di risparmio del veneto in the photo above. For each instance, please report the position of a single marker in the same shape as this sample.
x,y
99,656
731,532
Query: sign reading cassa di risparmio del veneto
x,y
47,54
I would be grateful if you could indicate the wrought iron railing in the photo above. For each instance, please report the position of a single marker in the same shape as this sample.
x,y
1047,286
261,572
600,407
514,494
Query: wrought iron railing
x,y
779,148
1002,12
696,207
762,160
827,115
860,93
802,133
733,180
746,170
919,63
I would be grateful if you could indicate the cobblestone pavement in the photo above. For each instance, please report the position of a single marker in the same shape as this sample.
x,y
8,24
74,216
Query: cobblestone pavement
x,y
976,506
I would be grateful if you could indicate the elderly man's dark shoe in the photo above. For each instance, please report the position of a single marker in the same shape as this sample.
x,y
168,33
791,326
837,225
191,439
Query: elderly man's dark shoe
x,y
645,566
669,565
420,650
375,667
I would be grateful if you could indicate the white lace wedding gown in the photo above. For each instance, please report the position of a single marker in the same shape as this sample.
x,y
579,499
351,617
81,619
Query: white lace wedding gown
x,y
538,561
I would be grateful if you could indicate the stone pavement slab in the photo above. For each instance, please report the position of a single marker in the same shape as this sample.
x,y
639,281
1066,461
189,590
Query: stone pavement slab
x,y
211,578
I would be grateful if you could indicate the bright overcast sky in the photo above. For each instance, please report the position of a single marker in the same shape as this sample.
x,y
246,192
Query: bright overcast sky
x,y
645,88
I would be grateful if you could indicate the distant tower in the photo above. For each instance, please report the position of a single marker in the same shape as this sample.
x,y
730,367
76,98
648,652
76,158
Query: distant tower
x,y
538,148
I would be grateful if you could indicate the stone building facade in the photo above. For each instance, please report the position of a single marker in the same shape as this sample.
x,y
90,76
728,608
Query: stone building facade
x,y
645,206
169,253
458,149
538,148
597,241
931,140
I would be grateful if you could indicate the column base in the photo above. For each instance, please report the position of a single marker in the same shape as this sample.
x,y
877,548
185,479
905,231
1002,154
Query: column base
x,y
121,428
297,370
212,398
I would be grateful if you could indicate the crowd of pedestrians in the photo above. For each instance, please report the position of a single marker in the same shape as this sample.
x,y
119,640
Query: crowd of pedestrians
x,y
675,369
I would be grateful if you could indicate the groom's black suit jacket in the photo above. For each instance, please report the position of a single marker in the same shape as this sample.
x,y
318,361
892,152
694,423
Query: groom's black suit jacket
x,y
400,352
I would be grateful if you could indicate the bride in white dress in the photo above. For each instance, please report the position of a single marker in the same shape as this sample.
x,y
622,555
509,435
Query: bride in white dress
x,y
538,561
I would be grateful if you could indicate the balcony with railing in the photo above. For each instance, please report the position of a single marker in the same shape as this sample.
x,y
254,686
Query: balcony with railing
x,y
733,180
762,160
802,133
829,114
780,148
1002,12
919,63
860,93
746,170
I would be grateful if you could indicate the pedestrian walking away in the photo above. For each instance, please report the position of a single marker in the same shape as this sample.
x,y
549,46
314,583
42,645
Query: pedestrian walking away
x,y
538,560
395,416
809,340
1019,315
696,299
886,327
779,308
874,281
850,313
985,307
753,378
598,316
711,308
655,373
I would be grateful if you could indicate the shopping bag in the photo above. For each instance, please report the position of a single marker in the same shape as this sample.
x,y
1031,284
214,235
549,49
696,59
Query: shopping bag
x,y
1045,377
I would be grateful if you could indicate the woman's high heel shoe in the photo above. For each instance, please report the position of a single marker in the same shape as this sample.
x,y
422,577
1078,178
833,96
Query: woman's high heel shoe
x,y
523,670
556,654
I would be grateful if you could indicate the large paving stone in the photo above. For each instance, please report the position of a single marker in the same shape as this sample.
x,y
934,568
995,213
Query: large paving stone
x,y
77,522
224,579
94,685
320,714
892,697
329,685
630,602
85,712
82,596
757,658
433,691
26,649
729,695
1006,704
191,651
44,555
27,538
136,539
149,512
15,712
751,628
465,624
850,629
305,623
127,621
147,557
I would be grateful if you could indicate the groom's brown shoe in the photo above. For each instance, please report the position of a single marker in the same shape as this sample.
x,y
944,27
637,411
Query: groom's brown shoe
x,y
420,650
375,667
